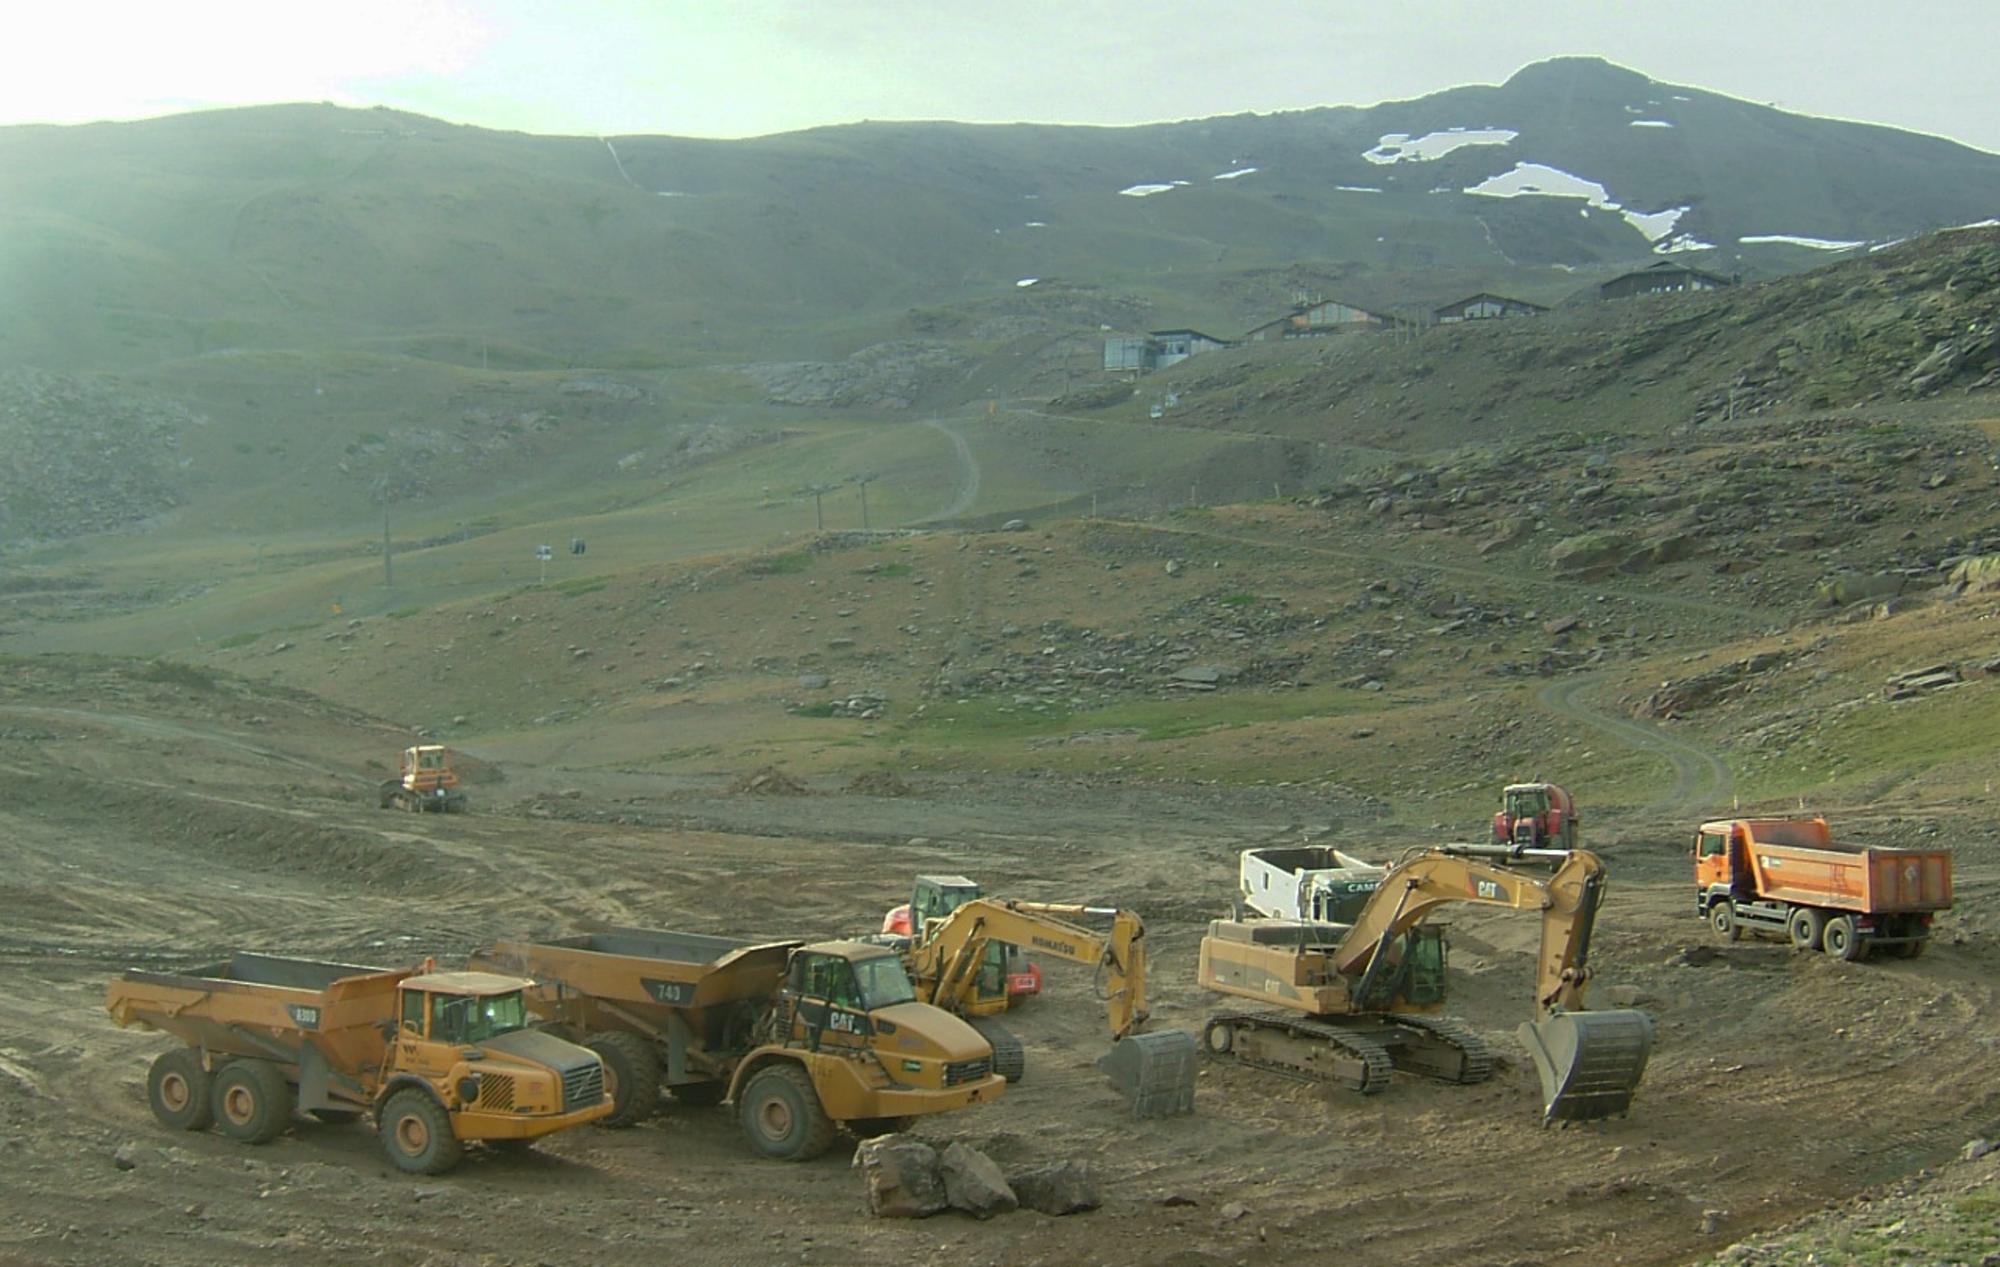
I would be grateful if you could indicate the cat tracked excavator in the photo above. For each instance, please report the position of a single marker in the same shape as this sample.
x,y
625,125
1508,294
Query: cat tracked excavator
x,y
1154,1071
1361,999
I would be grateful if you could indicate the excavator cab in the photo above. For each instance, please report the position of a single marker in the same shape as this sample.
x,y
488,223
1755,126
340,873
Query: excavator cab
x,y
1006,974
1408,975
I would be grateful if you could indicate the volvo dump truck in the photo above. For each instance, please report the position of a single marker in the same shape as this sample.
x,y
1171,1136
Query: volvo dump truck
x,y
439,1058
1789,878
1361,1000
1307,882
427,783
950,960
801,1038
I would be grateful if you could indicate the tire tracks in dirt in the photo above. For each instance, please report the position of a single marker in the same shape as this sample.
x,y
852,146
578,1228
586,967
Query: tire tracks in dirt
x,y
1701,778
969,479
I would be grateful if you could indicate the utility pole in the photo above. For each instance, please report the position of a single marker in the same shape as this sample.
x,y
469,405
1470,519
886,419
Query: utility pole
x,y
819,515
864,481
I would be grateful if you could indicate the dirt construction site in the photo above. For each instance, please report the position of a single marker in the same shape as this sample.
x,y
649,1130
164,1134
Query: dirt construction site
x,y
156,821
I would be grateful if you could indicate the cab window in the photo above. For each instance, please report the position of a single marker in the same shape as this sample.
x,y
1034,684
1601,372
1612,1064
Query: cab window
x,y
829,978
413,1012
1712,845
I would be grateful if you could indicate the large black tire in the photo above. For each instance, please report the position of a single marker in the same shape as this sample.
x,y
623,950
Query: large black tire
x,y
1722,918
1841,939
631,1076
782,1115
870,1127
252,1101
1010,1059
700,1095
1806,925
416,1133
177,1087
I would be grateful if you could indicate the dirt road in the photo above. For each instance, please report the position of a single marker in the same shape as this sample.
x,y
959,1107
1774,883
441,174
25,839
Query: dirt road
x,y
175,840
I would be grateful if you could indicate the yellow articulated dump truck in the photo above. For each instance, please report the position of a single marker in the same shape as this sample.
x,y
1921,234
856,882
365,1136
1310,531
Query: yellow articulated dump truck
x,y
801,1038
439,1058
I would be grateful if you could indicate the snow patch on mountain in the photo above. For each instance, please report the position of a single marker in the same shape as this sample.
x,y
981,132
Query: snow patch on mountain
x,y
1397,146
1788,239
1238,174
1651,123
1147,191
1539,180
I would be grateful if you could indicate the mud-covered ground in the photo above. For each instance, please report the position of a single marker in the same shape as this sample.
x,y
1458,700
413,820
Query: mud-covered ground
x,y
155,822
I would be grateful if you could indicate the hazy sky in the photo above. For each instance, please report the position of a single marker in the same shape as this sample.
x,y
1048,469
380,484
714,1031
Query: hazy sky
x,y
746,67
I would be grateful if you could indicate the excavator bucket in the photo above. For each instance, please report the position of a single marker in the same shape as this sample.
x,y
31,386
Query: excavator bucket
x,y
1154,1072
1590,1062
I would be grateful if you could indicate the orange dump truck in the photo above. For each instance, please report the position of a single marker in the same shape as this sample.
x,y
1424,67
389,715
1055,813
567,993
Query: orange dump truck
x,y
802,1038
439,1058
1789,877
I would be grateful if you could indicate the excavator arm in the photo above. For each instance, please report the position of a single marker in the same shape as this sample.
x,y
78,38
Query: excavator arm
x,y
946,962
1567,902
1590,1062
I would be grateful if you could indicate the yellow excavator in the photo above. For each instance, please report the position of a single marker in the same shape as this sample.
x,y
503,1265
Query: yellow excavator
x,y
949,963
1361,1000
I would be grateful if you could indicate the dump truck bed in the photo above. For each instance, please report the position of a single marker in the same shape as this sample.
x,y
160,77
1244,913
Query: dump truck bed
x,y
266,1006
647,968
1853,877
1306,882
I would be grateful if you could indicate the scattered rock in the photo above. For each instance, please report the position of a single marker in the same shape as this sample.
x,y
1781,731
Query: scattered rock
x,y
1067,1187
815,681
1173,567
1711,1221
1233,1211
902,1177
1620,995
1975,1149
769,781
974,1183
879,783
1694,956
125,1157
1014,525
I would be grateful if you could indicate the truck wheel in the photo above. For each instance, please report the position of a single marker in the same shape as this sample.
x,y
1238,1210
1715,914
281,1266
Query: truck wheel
x,y
416,1133
631,1076
781,1114
1910,949
871,1127
1722,918
1805,925
700,1095
177,1088
252,1101
1843,940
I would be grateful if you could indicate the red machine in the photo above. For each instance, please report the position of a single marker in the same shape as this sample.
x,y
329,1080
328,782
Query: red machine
x,y
1536,816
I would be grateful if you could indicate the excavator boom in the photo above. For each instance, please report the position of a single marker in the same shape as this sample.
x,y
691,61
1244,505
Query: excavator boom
x,y
1154,1071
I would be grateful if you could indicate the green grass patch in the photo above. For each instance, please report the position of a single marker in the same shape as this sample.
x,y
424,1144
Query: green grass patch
x,y
579,585
403,613
886,569
812,710
780,564
1238,600
174,673
236,640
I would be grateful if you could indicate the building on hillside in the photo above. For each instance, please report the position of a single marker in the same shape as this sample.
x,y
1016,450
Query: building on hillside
x,y
1320,318
1484,307
1158,349
1663,276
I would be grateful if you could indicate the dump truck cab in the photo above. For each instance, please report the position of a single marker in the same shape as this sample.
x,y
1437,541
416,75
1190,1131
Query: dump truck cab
x,y
850,999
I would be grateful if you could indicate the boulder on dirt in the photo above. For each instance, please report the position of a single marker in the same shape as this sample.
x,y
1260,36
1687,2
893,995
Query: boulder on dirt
x,y
769,781
1592,550
1977,573
1977,1148
973,1182
1014,525
902,1177
126,1156
1857,587
1067,1187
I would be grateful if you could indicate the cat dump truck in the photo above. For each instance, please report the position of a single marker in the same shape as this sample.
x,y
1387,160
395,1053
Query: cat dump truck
x,y
1789,878
1306,882
801,1038
427,783
439,1058
1356,1002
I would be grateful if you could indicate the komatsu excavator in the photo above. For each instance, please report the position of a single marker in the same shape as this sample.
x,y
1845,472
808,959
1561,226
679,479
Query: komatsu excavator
x,y
1154,1071
1361,999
